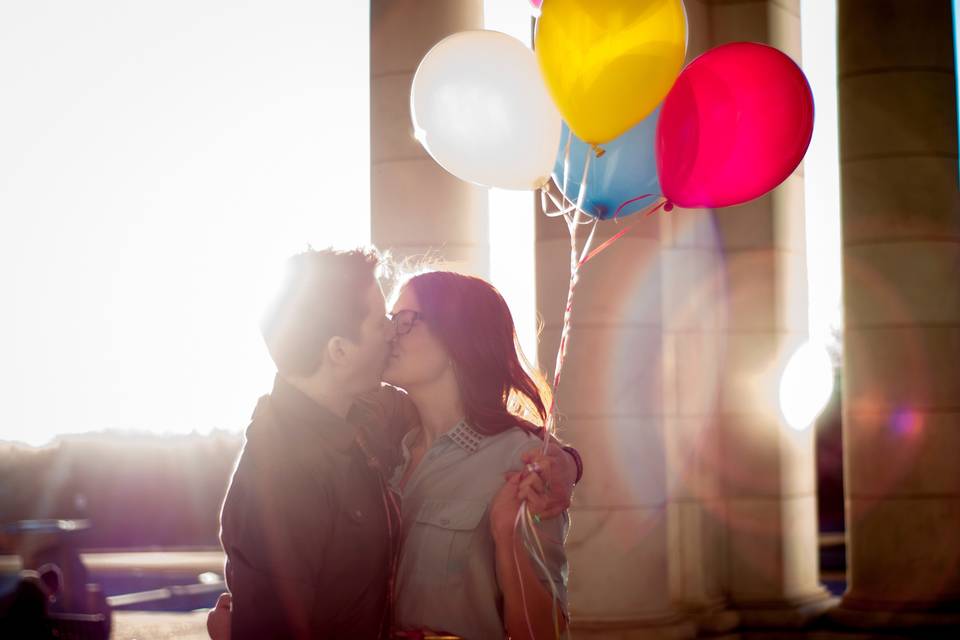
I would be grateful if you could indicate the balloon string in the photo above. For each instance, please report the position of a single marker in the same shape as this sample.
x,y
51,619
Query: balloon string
x,y
616,213
588,243
540,559
566,173
565,210
561,210
516,563
576,257
582,192
609,241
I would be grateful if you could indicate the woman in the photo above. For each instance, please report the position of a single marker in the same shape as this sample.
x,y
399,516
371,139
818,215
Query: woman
x,y
464,569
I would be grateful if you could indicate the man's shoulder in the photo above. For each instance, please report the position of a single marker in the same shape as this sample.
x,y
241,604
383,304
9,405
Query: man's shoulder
x,y
268,448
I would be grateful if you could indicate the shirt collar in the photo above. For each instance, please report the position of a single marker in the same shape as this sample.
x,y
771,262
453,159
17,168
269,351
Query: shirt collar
x,y
465,436
297,409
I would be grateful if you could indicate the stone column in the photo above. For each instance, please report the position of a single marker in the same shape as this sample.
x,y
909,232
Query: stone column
x,y
417,208
694,334
694,321
765,469
901,254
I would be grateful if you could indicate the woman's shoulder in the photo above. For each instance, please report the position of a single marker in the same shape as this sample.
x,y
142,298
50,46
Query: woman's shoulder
x,y
515,439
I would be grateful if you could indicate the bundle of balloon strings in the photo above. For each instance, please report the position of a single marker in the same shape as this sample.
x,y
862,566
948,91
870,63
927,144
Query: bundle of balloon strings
x,y
573,214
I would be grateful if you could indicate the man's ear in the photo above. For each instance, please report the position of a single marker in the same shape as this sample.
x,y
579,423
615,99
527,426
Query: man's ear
x,y
337,350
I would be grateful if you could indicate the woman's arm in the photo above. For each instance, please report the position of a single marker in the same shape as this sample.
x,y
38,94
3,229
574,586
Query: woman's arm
x,y
528,605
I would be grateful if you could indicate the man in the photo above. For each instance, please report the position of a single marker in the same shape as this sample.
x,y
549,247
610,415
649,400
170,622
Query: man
x,y
309,525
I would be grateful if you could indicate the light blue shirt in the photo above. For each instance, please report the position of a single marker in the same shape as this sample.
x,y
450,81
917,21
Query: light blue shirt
x,y
447,578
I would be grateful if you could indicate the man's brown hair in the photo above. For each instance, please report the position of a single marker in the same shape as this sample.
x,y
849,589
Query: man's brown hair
x,y
323,294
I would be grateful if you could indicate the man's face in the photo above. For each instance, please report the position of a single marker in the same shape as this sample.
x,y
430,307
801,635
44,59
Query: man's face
x,y
367,355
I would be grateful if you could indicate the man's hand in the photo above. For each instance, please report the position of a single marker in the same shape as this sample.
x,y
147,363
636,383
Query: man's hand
x,y
547,481
218,619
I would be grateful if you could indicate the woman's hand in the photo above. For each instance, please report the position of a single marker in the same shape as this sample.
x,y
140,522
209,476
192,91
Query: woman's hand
x,y
529,609
504,508
218,619
548,489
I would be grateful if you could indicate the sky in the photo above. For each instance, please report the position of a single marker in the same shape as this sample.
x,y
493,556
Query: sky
x,y
157,162
821,171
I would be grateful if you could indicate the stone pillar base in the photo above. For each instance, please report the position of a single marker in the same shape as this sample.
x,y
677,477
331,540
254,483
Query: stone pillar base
x,y
944,623
715,623
667,627
797,613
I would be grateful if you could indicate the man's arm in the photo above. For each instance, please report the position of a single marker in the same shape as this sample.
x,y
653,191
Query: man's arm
x,y
273,544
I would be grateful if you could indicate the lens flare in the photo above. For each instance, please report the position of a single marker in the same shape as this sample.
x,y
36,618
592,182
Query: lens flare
x,y
907,422
806,385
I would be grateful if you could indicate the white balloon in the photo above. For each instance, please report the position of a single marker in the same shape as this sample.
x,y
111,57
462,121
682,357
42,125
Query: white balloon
x,y
480,108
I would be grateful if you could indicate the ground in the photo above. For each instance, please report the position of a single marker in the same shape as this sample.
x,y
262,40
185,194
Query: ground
x,y
159,625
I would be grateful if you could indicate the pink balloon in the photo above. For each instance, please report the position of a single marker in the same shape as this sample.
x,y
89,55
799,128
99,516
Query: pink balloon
x,y
736,123
536,3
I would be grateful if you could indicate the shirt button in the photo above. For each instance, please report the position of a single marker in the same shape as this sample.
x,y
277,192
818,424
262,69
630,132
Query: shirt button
x,y
358,513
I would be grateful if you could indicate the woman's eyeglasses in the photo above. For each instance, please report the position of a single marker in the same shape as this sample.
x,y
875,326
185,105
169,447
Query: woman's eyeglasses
x,y
404,320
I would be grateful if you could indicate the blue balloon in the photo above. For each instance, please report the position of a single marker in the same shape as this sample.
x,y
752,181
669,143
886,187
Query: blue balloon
x,y
627,170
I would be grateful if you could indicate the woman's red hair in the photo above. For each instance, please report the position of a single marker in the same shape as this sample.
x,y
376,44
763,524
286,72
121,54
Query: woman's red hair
x,y
471,319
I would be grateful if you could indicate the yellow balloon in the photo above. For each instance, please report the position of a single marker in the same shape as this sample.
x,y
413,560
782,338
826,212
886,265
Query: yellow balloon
x,y
609,63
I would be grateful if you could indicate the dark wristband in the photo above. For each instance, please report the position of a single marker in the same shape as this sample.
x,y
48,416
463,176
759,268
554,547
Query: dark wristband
x,y
577,460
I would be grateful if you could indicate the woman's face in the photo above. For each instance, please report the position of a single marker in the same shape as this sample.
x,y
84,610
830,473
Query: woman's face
x,y
417,357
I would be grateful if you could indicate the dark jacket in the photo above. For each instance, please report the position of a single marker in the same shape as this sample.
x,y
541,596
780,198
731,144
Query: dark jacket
x,y
306,524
